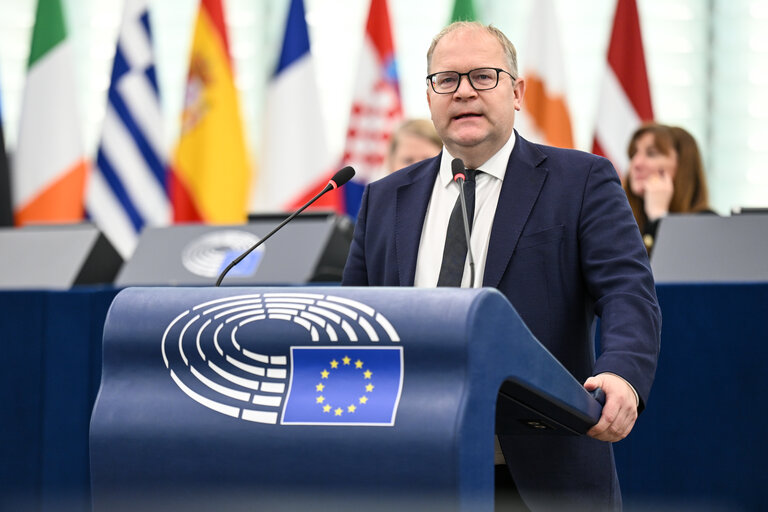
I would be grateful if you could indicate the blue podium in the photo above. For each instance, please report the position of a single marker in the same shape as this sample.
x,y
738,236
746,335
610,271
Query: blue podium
x,y
317,398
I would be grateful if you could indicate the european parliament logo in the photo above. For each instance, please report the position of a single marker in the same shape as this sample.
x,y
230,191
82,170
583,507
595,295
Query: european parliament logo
x,y
343,364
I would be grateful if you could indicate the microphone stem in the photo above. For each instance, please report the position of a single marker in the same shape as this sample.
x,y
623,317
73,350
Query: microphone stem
x,y
467,234
261,241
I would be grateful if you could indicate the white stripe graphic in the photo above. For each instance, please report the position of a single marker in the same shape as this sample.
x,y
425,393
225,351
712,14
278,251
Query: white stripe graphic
x,y
226,305
227,301
248,384
260,416
216,406
256,370
237,395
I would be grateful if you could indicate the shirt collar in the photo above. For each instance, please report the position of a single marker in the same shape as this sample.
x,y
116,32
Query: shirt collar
x,y
496,166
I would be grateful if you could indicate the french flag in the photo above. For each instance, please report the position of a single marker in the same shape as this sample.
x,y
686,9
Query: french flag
x,y
295,152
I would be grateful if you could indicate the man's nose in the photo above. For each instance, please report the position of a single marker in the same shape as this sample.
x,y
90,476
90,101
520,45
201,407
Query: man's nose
x,y
465,87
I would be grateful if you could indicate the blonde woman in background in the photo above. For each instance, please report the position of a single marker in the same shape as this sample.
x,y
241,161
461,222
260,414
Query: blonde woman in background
x,y
413,141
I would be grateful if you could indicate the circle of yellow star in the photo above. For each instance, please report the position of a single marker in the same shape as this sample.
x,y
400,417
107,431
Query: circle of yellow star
x,y
369,388
320,399
324,374
363,399
367,374
320,387
358,364
351,408
326,408
346,360
338,411
334,364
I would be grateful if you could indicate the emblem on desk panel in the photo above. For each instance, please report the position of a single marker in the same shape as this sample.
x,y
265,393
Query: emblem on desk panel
x,y
348,372
209,254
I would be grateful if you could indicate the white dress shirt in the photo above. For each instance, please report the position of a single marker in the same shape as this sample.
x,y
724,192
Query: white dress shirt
x,y
444,195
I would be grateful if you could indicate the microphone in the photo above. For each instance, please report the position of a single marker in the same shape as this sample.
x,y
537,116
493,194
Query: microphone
x,y
457,166
339,179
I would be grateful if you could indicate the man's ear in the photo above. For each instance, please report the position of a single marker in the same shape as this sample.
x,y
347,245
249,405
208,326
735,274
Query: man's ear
x,y
519,93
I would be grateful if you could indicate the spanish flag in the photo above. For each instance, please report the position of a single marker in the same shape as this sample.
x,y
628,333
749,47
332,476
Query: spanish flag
x,y
50,168
211,168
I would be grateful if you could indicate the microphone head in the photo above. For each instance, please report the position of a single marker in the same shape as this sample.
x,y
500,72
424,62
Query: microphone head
x,y
457,166
342,176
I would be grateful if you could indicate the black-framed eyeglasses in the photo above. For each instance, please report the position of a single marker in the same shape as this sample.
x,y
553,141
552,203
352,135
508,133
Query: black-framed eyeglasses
x,y
481,79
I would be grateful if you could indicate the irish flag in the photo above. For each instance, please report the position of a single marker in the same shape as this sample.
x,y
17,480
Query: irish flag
x,y
211,169
50,168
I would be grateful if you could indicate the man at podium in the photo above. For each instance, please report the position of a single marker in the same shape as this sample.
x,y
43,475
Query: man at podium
x,y
550,228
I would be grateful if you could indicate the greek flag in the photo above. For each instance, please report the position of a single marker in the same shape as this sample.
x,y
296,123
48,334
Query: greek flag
x,y
127,188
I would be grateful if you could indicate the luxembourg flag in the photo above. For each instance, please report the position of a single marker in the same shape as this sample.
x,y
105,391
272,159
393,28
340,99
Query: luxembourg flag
x,y
545,116
626,98
127,188
295,151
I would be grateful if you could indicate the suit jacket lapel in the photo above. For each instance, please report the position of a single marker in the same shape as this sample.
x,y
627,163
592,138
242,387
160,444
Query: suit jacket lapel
x,y
410,210
522,184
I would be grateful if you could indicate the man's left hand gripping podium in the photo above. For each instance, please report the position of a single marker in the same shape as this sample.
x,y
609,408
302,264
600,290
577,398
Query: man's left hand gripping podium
x,y
317,398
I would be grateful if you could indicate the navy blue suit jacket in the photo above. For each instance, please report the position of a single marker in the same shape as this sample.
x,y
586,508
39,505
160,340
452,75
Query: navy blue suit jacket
x,y
564,248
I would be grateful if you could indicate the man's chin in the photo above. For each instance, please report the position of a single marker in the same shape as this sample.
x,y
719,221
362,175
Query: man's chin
x,y
469,137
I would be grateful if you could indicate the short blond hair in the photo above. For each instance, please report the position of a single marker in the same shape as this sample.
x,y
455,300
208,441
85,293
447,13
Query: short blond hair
x,y
422,128
506,44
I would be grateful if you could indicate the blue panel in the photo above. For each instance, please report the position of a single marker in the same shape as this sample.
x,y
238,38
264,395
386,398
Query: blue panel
x,y
46,396
22,325
700,442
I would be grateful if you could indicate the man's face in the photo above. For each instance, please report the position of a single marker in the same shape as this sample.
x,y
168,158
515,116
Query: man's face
x,y
481,120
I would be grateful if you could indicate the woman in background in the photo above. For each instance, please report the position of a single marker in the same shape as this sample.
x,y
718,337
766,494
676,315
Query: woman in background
x,y
413,141
666,175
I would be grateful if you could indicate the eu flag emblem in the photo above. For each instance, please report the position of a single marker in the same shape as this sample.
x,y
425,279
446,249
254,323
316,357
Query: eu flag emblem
x,y
344,386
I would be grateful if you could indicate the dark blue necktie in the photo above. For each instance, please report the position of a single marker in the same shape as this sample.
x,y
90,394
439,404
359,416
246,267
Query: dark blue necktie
x,y
455,250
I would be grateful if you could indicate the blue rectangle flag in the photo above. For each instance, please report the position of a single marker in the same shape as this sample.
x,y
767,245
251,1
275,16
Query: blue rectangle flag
x,y
344,386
